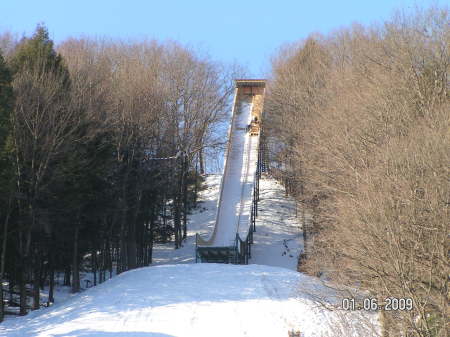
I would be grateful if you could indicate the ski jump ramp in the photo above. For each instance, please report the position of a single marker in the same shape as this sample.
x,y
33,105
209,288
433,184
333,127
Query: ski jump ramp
x,y
233,228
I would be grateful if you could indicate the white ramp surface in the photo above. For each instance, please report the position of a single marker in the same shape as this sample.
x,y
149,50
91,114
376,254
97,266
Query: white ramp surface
x,y
236,196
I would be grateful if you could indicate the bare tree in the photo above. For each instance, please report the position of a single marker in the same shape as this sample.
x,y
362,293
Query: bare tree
x,y
371,161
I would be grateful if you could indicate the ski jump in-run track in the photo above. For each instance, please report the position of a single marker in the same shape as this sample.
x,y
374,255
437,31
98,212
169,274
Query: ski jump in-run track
x,y
232,234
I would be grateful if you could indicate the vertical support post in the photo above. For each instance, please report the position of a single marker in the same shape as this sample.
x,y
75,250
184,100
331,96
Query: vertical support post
x,y
250,241
255,195
196,251
254,217
247,249
236,247
257,187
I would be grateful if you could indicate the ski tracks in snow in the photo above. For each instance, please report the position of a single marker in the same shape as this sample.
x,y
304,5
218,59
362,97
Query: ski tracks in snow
x,y
273,294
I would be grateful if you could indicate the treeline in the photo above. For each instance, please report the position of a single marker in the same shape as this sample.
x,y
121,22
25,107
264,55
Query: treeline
x,y
359,127
102,148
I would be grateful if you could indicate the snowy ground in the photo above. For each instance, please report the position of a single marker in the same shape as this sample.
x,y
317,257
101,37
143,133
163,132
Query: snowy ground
x,y
178,298
277,240
278,237
191,300
200,221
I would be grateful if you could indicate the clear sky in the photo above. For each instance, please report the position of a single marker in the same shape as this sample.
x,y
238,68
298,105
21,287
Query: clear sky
x,y
245,31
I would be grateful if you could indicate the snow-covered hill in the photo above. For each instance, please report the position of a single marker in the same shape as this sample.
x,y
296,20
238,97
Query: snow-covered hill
x,y
195,300
176,297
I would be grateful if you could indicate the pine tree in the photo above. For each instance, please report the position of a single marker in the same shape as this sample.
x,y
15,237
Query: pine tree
x,y
5,101
38,53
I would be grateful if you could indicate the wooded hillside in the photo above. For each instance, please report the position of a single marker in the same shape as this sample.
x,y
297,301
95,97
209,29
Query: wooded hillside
x,y
359,127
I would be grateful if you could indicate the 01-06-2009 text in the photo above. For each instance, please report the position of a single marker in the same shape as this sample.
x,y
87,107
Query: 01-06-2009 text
x,y
372,304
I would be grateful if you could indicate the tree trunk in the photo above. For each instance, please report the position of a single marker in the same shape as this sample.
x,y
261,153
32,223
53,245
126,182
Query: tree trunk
x,y
132,247
122,254
305,233
201,162
101,267
177,204
2,306
51,284
22,290
185,196
94,264
196,183
149,252
36,279
11,288
75,264
3,260
177,217
122,264
164,212
177,223
67,272
150,248
109,257
43,274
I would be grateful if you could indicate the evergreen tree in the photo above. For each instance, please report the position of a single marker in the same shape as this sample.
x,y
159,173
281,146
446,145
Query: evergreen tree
x,y
37,53
6,102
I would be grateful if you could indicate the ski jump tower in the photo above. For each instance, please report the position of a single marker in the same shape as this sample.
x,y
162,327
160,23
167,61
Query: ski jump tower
x,y
237,208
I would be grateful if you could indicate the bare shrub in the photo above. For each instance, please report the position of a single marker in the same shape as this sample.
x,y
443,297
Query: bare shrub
x,y
368,148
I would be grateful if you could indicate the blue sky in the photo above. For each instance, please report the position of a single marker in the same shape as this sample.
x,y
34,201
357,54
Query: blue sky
x,y
248,32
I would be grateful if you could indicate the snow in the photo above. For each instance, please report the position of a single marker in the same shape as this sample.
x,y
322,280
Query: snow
x,y
278,238
191,300
186,299
201,221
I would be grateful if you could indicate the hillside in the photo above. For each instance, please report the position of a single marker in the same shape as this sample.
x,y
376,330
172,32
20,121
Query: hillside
x,y
176,297
190,300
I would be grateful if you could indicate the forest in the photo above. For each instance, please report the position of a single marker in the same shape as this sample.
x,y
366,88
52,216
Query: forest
x,y
102,153
360,135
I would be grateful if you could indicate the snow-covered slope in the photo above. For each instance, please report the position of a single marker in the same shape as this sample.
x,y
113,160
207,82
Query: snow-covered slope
x,y
192,300
201,221
195,300
277,240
